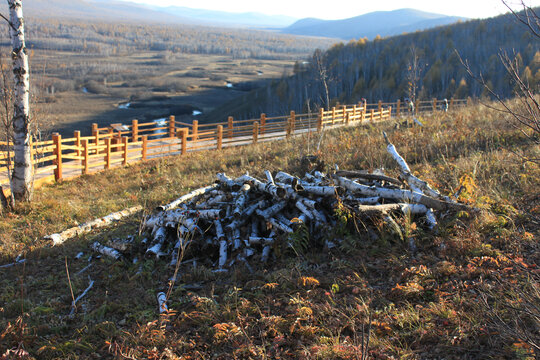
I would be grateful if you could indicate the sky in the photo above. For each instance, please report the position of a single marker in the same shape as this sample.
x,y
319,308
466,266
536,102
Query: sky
x,y
341,9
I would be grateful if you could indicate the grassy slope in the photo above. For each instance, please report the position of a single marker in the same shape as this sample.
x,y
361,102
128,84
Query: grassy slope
x,y
316,305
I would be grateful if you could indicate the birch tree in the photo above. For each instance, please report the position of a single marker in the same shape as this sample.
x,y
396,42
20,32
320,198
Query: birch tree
x,y
21,177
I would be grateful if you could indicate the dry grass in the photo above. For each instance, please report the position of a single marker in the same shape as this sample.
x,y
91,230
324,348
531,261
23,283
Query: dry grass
x,y
369,297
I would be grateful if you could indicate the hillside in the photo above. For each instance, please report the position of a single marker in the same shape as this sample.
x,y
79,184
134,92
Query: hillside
x,y
222,18
126,11
378,69
465,291
382,23
96,10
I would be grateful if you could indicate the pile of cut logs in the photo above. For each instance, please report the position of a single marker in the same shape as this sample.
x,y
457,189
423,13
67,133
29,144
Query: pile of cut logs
x,y
245,219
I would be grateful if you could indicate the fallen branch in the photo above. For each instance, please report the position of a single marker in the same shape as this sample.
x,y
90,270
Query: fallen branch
x,y
400,195
85,228
415,183
366,176
74,303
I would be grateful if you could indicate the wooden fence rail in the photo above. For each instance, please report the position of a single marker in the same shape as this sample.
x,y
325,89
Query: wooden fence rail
x,y
121,144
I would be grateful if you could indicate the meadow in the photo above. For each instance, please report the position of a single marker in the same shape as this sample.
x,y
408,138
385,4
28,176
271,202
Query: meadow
x,y
469,290
86,72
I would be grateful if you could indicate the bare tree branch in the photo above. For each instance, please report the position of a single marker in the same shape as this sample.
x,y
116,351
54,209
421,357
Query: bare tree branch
x,y
529,17
7,20
523,92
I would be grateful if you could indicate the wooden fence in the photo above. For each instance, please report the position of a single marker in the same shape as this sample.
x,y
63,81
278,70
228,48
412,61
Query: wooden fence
x,y
121,144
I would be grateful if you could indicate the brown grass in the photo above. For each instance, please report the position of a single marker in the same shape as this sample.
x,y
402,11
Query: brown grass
x,y
321,305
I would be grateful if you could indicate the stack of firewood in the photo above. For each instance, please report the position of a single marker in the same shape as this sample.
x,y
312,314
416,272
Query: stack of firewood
x,y
245,219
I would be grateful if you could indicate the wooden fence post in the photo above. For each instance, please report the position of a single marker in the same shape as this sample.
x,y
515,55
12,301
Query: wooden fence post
x,y
333,115
134,130
255,131
263,123
94,129
77,135
57,141
97,140
379,106
293,122
320,120
195,131
172,126
344,109
372,115
115,139
389,112
183,134
434,104
288,128
355,109
347,118
381,113
144,147
85,160
220,137
108,153
125,141
230,126
398,107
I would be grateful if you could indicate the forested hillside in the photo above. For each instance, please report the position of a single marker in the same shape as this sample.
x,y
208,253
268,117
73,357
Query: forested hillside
x,y
380,69
383,23
120,38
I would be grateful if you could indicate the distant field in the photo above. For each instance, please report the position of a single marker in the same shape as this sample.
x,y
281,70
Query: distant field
x,y
82,72
152,85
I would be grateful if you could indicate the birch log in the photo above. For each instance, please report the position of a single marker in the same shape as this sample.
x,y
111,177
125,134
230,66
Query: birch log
x,y
227,182
60,238
187,197
21,177
366,176
104,250
160,236
370,210
415,183
269,188
399,195
241,200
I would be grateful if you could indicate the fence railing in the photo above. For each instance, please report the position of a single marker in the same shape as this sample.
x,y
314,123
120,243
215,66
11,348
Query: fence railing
x,y
121,144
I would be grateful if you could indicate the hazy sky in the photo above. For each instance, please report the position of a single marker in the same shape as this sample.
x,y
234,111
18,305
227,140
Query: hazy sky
x,y
340,9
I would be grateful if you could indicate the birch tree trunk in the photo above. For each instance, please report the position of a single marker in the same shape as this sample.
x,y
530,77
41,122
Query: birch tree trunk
x,y
21,181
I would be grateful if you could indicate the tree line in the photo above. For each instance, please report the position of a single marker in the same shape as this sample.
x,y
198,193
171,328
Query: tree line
x,y
381,69
108,38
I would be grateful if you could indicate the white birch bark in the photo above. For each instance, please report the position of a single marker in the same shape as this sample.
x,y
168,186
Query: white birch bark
x,y
21,178
399,195
85,228
187,197
162,302
415,183
105,250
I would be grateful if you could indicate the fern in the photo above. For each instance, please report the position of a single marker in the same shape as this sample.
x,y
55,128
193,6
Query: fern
x,y
299,240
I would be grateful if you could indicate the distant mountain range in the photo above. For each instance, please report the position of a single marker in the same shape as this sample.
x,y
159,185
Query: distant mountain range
x,y
94,10
383,23
111,10
248,19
